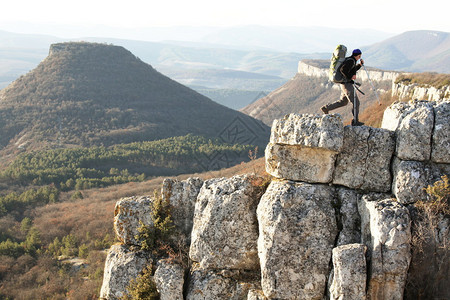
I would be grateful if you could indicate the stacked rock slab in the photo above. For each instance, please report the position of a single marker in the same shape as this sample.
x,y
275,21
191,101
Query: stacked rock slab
x,y
333,221
358,168
224,238
304,147
422,152
386,231
297,230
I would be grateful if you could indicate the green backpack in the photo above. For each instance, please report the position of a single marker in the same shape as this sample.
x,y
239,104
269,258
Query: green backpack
x,y
337,59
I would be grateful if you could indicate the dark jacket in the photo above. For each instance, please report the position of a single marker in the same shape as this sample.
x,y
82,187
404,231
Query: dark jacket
x,y
349,68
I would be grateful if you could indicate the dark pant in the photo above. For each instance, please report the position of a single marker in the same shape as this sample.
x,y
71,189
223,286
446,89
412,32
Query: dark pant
x,y
348,93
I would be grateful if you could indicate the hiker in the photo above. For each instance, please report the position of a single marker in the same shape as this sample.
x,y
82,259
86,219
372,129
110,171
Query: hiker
x,y
348,69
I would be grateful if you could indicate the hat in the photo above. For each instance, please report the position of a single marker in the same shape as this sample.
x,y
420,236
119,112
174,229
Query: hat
x,y
356,52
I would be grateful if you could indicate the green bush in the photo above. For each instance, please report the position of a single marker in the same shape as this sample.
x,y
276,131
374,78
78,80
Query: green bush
x,y
143,287
162,228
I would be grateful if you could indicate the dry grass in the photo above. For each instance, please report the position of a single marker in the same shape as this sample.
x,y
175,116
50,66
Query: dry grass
x,y
432,79
95,212
373,115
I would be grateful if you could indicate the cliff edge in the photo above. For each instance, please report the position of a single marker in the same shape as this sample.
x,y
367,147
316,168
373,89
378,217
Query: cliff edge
x,y
334,222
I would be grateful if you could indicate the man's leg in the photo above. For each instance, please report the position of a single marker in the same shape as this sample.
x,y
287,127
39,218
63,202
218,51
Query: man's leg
x,y
342,102
350,89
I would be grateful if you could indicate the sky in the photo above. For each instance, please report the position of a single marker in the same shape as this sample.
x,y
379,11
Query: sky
x,y
393,16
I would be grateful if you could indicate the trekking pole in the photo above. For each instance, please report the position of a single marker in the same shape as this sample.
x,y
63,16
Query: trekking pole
x,y
355,117
375,91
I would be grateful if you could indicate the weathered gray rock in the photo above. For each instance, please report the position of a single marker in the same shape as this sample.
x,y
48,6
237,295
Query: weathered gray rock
x,y
365,158
306,130
386,231
169,279
304,147
410,180
225,229
182,195
440,151
255,294
350,272
122,265
297,229
414,134
314,165
128,215
413,123
349,217
207,285
393,115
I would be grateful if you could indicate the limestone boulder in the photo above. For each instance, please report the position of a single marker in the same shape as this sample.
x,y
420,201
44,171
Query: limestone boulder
x,y
349,272
413,124
129,214
440,152
304,147
410,180
307,130
386,230
121,266
225,230
208,284
297,230
314,165
169,280
182,196
364,162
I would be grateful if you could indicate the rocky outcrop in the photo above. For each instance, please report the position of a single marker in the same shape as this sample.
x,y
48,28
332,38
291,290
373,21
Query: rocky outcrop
x,y
422,152
122,265
335,219
207,284
416,91
386,231
169,279
182,196
304,147
225,225
376,75
349,272
130,214
440,144
297,230
364,160
413,124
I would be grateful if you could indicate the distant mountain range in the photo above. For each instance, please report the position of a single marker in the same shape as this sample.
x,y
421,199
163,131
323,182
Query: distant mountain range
x,y
86,94
413,51
239,63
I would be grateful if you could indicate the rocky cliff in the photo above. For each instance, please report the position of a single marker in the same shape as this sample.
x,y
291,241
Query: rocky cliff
x,y
417,91
321,70
334,222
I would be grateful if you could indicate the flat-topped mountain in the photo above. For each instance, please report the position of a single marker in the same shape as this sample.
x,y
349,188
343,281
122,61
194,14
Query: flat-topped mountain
x,y
97,94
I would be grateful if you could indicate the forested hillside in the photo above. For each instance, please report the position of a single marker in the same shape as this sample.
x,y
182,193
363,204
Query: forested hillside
x,y
87,94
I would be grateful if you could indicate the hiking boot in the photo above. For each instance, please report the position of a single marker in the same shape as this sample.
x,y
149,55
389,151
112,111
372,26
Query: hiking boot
x,y
324,109
357,123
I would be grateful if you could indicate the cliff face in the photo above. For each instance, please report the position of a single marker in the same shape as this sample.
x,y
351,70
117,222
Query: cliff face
x,y
416,91
334,223
376,75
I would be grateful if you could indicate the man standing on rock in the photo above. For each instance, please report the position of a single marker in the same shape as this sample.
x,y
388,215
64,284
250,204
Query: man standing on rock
x,y
348,69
